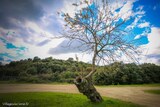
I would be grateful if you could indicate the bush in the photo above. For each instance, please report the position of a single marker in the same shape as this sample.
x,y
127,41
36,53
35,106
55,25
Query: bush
x,y
35,79
102,78
68,74
32,71
45,76
55,77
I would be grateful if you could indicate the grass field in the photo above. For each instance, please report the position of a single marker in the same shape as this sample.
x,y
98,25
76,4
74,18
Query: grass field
x,y
153,91
19,82
51,99
132,85
62,83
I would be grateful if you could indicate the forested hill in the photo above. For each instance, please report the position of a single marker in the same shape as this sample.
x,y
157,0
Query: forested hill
x,y
38,70
42,70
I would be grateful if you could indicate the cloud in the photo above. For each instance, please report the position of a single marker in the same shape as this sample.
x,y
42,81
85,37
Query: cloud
x,y
145,24
154,40
145,32
152,49
137,15
1,59
28,18
9,51
30,24
20,10
28,27
51,23
34,24
134,23
126,10
138,36
156,56
43,42
66,47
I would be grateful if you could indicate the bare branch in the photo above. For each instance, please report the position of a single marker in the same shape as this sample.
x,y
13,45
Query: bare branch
x,y
101,32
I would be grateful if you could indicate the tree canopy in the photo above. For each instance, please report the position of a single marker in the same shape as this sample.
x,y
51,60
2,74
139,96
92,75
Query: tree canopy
x,y
100,29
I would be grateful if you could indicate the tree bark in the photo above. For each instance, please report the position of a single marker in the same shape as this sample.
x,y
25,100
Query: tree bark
x,y
86,87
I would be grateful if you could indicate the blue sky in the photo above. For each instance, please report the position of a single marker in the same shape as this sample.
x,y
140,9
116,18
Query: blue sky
x,y
27,28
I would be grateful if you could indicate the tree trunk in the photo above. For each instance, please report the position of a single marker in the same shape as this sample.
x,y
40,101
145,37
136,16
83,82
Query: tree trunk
x,y
86,87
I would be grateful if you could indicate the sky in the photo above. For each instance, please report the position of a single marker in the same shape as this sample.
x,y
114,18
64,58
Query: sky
x,y
27,28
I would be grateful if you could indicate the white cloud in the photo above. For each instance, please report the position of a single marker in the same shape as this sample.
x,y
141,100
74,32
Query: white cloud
x,y
69,8
34,50
2,44
138,14
139,11
39,33
134,23
126,10
138,36
145,24
153,47
151,51
8,34
36,35
154,41
81,56
144,33
42,52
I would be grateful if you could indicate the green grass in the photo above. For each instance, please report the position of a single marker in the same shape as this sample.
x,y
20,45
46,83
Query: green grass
x,y
63,83
132,85
51,99
22,82
153,91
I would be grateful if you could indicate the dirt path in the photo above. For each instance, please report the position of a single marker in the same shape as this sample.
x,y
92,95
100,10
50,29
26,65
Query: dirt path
x,y
131,94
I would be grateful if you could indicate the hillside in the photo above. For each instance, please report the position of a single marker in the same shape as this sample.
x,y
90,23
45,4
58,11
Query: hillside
x,y
38,70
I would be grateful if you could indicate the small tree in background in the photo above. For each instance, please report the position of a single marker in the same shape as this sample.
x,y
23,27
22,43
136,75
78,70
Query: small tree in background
x,y
99,30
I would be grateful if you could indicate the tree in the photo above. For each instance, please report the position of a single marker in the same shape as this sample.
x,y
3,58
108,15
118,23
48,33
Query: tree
x,y
36,59
70,59
98,29
32,70
0,64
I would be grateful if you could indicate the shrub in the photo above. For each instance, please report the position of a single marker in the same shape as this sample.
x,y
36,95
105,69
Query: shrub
x,y
32,70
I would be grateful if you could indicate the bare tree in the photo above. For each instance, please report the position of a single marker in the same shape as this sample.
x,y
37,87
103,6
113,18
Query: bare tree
x,y
99,30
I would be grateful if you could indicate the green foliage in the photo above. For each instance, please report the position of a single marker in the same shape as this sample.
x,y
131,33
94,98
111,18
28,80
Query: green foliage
x,y
68,76
54,70
32,70
50,99
70,59
152,73
119,73
36,59
55,77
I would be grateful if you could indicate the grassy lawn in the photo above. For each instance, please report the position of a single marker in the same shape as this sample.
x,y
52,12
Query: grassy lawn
x,y
51,99
63,83
19,82
153,91
132,85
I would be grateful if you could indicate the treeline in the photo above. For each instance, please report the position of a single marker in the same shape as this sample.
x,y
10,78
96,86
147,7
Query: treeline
x,y
38,70
120,73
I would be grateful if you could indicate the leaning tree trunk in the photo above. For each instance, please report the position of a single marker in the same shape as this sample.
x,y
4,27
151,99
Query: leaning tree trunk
x,y
86,87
